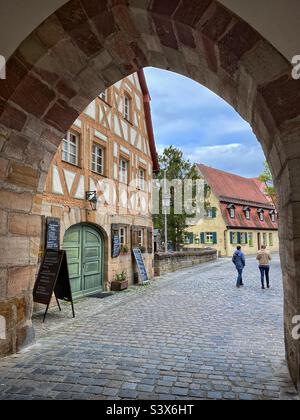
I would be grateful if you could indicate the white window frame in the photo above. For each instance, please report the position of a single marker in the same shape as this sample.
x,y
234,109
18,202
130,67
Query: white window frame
x,y
68,155
243,238
273,217
141,237
209,213
232,213
248,214
142,179
123,171
127,107
96,166
209,238
235,239
123,236
261,216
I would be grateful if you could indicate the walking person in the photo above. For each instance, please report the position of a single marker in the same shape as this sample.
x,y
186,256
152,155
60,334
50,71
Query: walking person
x,y
239,261
264,259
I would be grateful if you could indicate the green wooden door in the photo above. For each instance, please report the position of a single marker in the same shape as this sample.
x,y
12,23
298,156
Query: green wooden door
x,y
84,247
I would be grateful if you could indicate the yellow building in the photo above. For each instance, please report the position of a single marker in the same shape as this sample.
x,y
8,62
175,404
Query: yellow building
x,y
238,213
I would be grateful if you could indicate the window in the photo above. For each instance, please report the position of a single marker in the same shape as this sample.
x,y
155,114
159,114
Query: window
x,y
209,213
123,170
231,210
189,238
243,238
271,242
70,148
247,212
98,159
250,239
123,236
234,238
273,216
142,179
141,237
209,238
127,107
261,215
265,240
103,96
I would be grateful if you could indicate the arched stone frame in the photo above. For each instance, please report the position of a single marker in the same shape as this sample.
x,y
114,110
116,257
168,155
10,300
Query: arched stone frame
x,y
88,45
104,235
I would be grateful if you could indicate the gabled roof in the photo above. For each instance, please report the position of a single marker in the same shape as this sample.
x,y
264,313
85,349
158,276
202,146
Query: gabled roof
x,y
235,189
148,118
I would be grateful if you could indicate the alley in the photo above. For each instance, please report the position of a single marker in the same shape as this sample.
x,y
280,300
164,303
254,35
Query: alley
x,y
189,335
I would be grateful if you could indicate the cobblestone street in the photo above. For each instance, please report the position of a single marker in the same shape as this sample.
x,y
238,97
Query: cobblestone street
x,y
189,335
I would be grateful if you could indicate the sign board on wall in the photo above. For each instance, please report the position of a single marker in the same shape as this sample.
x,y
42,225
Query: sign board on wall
x,y
138,256
53,234
115,241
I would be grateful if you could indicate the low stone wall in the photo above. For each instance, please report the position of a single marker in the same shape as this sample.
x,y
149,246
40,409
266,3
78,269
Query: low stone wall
x,y
169,263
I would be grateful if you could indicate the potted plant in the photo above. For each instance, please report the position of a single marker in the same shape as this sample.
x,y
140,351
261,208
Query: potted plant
x,y
120,283
124,249
143,250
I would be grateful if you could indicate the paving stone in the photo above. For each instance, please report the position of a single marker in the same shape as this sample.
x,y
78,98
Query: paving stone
x,y
199,338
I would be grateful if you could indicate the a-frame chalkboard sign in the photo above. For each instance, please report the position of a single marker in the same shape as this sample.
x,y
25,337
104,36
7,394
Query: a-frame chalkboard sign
x,y
140,265
53,278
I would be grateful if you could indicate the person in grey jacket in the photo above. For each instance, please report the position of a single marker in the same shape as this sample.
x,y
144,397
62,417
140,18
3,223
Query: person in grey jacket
x,y
239,261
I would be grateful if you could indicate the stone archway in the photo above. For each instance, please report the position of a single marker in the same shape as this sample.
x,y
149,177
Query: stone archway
x,y
90,44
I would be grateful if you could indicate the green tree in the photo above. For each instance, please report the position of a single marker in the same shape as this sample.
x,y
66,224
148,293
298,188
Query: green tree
x,y
267,179
174,166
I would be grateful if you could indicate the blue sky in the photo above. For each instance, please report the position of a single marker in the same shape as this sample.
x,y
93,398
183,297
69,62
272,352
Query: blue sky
x,y
202,125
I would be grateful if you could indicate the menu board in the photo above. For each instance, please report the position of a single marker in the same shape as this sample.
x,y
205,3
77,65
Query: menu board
x,y
141,265
53,234
53,278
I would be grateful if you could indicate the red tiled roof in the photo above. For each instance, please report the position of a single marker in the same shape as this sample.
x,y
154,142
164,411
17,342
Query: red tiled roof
x,y
240,220
242,192
234,188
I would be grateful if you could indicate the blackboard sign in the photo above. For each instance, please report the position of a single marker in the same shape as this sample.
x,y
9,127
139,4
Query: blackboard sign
x,y
140,265
53,278
115,241
53,234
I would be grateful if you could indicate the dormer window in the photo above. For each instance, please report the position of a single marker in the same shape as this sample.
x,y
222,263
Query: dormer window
x,y
261,215
247,212
273,216
231,209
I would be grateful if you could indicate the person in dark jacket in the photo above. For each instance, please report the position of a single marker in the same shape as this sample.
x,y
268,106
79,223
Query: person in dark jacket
x,y
239,261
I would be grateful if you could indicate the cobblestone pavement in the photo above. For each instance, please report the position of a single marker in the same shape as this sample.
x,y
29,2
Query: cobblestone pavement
x,y
189,335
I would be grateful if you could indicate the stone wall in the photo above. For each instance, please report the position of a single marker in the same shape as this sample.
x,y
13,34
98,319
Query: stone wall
x,y
168,263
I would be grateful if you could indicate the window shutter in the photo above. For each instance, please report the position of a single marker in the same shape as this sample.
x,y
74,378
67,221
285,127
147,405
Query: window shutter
x,y
214,212
150,240
215,238
239,238
134,237
202,237
231,237
191,238
246,238
115,241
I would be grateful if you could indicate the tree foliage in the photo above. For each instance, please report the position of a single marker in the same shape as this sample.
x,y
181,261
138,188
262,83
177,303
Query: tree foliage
x,y
267,179
174,166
